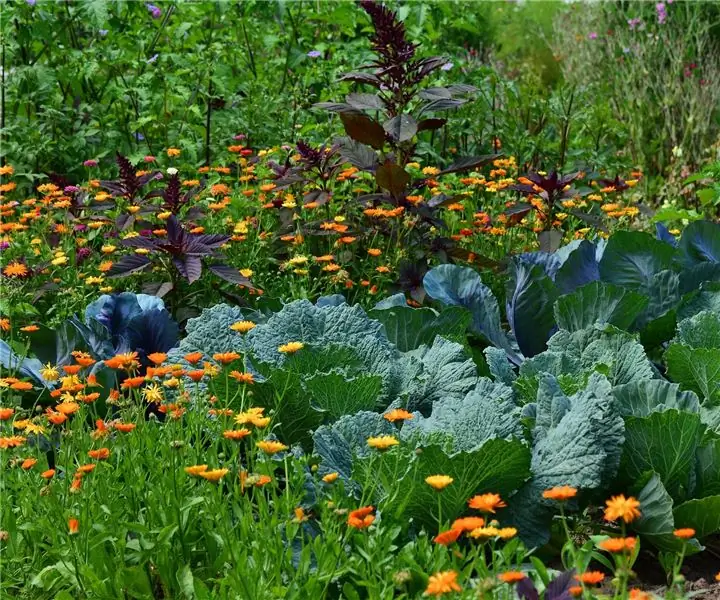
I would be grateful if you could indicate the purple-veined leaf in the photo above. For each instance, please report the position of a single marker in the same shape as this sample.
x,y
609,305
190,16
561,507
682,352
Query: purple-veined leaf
x,y
435,93
212,240
190,267
139,242
368,198
442,104
462,88
365,101
231,274
592,220
338,107
362,78
319,197
428,65
518,211
392,178
469,163
526,589
401,128
157,288
550,240
363,129
123,222
357,154
128,264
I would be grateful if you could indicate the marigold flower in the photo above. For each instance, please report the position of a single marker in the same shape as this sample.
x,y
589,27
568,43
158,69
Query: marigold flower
x,y
195,470
76,485
15,269
242,377
67,408
511,576
99,454
330,477
72,369
73,526
291,347
560,493
236,434
6,413
468,523
243,326
620,507
152,393
30,328
49,474
56,418
4,324
133,382
253,416
214,475
442,582
685,533
382,442
636,594
486,502
591,577
484,532
505,533
125,427
157,358
225,358
445,538
618,544
361,518
83,469
575,591
196,375
28,464
374,251
193,357
398,414
21,386
439,482
173,152
271,446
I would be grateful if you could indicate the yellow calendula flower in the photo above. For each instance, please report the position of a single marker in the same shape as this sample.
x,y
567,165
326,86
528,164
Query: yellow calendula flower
x,y
438,482
291,347
242,326
271,446
382,442
50,373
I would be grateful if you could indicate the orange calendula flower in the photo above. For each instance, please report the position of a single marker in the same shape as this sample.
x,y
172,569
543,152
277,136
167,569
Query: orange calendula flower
x,y
591,577
197,374
443,582
511,576
575,591
468,523
15,269
271,446
330,477
73,526
30,328
398,414
157,358
636,594
28,463
173,152
56,418
195,470
560,493
83,469
382,442
67,408
6,413
125,427
193,357
226,358
242,377
4,324
618,544
21,386
12,441
438,482
291,347
361,518
486,502
685,533
445,538
214,475
620,507
49,474
99,454
236,434
133,382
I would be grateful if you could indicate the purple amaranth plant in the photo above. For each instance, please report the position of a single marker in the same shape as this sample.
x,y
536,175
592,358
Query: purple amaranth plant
x,y
183,250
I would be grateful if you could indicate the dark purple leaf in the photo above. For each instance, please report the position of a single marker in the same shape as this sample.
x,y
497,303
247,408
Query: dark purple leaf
x,y
526,589
139,242
401,128
362,78
428,65
550,240
338,107
430,124
469,163
365,101
190,267
123,222
157,288
358,155
363,129
392,178
442,104
214,240
231,274
559,586
435,93
592,220
370,198
518,212
128,264
319,197
462,88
